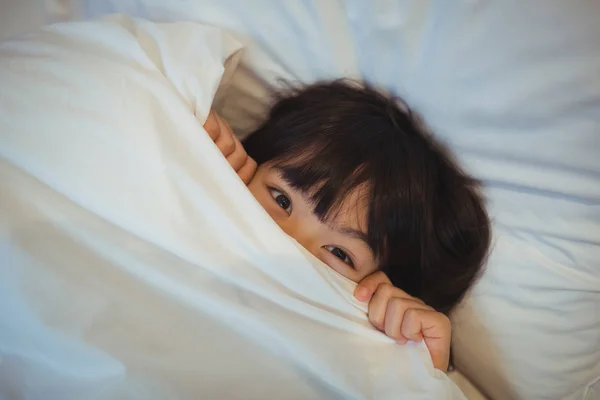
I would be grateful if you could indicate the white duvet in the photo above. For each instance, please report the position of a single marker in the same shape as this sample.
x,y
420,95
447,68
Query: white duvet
x,y
133,262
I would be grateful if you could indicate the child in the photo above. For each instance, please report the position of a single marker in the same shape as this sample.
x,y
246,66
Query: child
x,y
351,175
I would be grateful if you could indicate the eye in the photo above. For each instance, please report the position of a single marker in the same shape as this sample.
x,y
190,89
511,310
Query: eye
x,y
281,199
341,254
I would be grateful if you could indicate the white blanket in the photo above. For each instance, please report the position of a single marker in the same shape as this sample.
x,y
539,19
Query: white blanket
x,y
135,264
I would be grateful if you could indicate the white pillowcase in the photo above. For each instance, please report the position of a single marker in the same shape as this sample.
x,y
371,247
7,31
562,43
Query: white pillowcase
x,y
515,88
135,264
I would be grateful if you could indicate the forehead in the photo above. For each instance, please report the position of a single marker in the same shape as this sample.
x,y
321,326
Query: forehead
x,y
350,213
353,210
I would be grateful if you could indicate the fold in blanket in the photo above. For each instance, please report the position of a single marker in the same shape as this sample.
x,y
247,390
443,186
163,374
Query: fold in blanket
x,y
135,263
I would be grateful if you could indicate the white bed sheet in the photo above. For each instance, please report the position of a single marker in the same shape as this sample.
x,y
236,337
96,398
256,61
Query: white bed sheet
x,y
514,87
135,264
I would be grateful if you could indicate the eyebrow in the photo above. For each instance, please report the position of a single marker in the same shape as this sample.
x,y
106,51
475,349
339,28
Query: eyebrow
x,y
354,233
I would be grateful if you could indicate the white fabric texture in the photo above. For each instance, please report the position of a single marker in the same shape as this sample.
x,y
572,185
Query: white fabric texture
x,y
514,86
466,386
135,264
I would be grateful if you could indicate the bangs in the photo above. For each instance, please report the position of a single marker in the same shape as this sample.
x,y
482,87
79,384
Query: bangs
x,y
328,172
325,177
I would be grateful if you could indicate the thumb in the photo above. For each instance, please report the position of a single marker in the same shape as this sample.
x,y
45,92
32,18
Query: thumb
x,y
439,351
437,334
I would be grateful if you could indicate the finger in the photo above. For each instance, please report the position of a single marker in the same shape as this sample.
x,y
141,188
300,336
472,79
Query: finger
x,y
436,330
412,325
238,158
395,319
427,322
378,304
246,173
365,288
226,142
211,126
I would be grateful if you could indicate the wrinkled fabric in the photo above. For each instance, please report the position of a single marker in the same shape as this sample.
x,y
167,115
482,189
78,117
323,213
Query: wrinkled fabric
x,y
135,264
514,88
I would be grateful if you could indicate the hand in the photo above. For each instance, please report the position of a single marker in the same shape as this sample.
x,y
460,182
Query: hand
x,y
403,317
230,146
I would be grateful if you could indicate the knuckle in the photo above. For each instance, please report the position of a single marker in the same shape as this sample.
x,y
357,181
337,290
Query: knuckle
x,y
412,313
445,320
211,126
386,289
411,319
416,299
394,334
239,158
243,155
397,304
229,145
247,171
376,318
376,321
410,325
380,276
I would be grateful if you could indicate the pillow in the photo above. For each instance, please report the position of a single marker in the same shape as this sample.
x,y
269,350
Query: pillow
x,y
20,16
514,87
135,264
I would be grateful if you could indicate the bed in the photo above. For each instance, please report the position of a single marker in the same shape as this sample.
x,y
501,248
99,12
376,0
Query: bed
x,y
517,102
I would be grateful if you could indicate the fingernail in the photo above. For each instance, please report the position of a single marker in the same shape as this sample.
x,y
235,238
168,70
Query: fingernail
x,y
361,293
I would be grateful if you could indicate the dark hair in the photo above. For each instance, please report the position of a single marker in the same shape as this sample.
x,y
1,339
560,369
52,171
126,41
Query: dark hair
x,y
427,224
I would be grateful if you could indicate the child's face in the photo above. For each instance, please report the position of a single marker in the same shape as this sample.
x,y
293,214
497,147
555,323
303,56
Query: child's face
x,y
341,243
